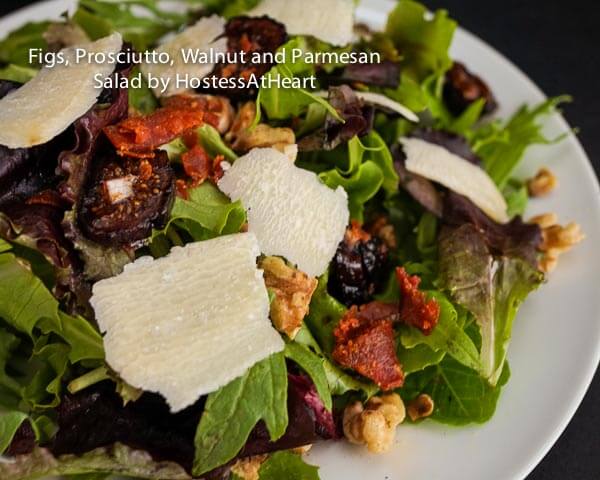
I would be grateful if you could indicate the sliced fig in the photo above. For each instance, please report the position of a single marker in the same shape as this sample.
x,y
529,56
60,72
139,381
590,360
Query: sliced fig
x,y
126,198
249,35
356,271
463,87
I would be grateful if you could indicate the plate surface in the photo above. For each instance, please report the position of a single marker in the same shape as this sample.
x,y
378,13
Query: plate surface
x,y
556,336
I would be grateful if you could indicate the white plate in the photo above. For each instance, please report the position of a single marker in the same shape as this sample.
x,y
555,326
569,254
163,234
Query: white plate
x,y
556,337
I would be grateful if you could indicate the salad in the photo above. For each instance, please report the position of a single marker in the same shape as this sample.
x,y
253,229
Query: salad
x,y
230,230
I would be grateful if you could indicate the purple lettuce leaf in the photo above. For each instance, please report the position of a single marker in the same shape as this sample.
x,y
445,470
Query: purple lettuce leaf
x,y
358,121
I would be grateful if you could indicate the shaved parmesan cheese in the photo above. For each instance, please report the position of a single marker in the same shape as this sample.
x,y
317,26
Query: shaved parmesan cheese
x,y
291,212
188,323
382,101
329,20
200,38
439,165
50,102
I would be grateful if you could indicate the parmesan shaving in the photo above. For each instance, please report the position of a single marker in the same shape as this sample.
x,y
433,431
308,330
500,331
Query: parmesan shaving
x,y
439,165
189,323
291,212
51,101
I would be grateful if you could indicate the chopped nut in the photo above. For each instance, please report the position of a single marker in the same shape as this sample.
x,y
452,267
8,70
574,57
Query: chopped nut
x,y
420,407
293,290
383,229
247,468
242,121
556,239
375,423
263,136
545,220
302,450
560,239
542,184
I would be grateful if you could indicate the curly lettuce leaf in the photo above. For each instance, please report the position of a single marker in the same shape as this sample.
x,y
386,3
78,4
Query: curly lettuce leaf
x,y
205,214
490,288
459,393
422,40
288,465
231,413
368,168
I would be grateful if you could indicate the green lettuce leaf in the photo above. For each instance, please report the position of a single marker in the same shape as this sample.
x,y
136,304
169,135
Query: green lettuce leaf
x,y
9,424
14,49
423,41
368,168
460,395
517,197
501,147
116,459
490,288
27,304
141,100
231,413
447,336
227,8
285,103
100,18
287,465
324,314
17,73
205,214
312,364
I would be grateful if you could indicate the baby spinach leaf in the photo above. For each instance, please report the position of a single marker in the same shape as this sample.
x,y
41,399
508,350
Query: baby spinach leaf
x,y
339,381
446,337
232,412
313,366
26,304
459,393
287,465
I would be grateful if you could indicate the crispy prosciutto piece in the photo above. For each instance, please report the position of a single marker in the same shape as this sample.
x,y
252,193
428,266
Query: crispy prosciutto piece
x,y
415,309
140,136
364,342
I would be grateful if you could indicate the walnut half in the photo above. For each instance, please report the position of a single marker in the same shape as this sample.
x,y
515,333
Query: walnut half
x,y
293,290
556,239
374,424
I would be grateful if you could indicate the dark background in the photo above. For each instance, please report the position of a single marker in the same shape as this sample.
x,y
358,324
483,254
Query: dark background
x,y
557,43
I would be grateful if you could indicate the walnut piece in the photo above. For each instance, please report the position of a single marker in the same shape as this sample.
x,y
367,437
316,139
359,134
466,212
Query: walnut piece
x,y
243,138
542,184
556,239
420,407
293,290
248,468
374,424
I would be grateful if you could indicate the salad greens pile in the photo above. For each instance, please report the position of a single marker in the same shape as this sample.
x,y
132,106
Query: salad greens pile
x,y
479,272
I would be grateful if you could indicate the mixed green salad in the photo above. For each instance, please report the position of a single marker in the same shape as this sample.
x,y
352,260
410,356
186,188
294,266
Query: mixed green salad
x,y
412,180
